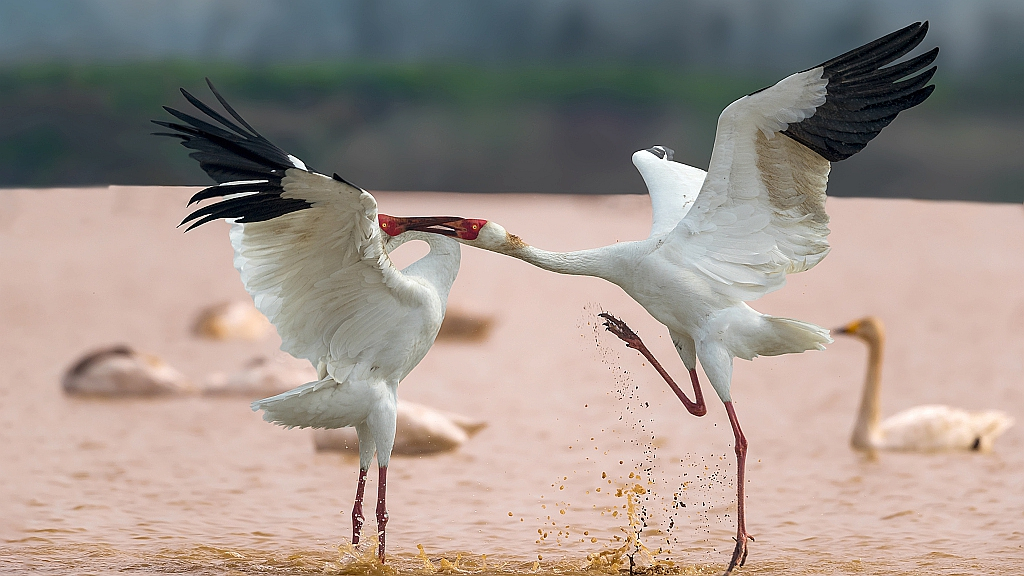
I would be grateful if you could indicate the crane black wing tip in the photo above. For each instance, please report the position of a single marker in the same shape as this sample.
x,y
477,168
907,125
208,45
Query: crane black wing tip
x,y
194,101
927,75
195,214
343,181
198,223
868,94
199,217
209,84
919,96
182,137
919,28
929,56
197,198
878,52
230,110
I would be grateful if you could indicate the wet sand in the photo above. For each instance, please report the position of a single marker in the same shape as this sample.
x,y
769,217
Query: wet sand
x,y
203,485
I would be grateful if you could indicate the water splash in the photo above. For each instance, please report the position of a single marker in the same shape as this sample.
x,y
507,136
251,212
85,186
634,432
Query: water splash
x,y
362,558
660,513
632,553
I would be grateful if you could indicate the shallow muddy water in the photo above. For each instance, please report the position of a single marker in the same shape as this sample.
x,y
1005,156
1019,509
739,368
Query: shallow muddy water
x,y
576,422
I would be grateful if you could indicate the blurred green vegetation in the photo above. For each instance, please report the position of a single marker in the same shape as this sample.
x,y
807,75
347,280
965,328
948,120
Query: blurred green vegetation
x,y
138,85
452,127
142,86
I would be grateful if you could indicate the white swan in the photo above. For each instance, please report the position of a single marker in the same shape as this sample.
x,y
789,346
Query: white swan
x,y
923,428
235,320
120,371
419,430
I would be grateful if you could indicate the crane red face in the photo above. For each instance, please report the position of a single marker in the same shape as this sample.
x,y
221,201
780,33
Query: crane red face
x,y
394,225
389,224
467,228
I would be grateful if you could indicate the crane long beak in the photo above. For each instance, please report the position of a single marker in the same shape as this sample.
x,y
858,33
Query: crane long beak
x,y
435,224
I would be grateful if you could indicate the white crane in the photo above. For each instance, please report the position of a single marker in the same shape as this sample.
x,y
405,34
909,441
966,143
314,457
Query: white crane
x,y
922,428
731,235
310,252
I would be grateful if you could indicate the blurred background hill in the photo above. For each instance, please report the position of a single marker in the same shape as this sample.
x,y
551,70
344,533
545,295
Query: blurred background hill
x,y
498,96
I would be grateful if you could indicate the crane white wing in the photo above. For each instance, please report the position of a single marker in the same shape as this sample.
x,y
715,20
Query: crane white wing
x,y
307,246
321,275
760,213
673,186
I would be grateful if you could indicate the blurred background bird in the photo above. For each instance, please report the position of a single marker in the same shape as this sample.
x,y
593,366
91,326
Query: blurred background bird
x,y
926,428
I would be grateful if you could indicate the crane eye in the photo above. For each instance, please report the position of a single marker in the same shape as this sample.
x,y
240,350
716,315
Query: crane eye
x,y
475,226
384,225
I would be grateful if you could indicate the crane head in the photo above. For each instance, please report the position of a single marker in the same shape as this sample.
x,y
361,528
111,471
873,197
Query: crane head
x,y
394,225
480,233
461,228
467,228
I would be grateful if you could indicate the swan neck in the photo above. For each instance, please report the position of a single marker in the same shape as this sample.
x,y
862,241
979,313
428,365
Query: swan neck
x,y
866,430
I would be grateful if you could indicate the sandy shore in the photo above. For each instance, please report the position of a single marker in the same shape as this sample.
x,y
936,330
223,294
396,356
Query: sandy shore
x,y
90,267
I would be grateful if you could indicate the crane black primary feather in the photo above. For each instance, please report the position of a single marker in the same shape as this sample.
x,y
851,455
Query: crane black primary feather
x,y
862,97
247,167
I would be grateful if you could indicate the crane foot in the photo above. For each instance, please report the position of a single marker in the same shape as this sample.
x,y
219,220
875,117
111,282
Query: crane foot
x,y
739,554
621,330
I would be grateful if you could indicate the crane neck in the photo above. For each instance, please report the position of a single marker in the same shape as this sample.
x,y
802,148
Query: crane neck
x,y
600,262
578,263
866,430
439,267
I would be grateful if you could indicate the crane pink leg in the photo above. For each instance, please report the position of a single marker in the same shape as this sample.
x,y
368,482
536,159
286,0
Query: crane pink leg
x,y
620,329
739,554
357,508
382,510
700,407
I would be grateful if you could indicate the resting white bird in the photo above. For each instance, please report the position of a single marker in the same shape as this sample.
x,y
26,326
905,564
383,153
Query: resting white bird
x,y
310,252
119,371
731,235
923,428
419,430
